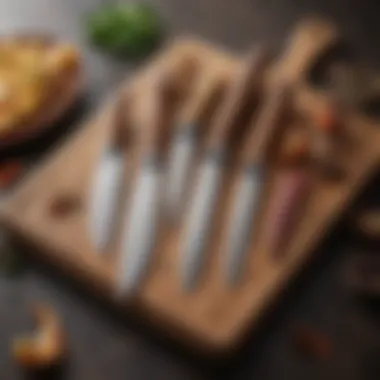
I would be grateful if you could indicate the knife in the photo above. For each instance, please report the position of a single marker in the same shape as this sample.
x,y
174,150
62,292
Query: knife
x,y
209,174
184,141
140,226
251,179
108,179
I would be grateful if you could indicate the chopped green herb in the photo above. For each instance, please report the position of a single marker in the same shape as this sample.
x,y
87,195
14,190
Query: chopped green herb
x,y
130,30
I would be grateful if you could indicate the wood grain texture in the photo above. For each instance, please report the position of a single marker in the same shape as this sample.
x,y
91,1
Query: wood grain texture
x,y
212,319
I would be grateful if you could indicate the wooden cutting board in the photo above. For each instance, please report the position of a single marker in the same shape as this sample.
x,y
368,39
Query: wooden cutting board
x,y
49,210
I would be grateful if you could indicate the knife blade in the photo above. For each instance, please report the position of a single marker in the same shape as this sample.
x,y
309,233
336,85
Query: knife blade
x,y
243,217
140,236
141,217
180,160
108,179
107,185
200,217
251,177
206,190
185,138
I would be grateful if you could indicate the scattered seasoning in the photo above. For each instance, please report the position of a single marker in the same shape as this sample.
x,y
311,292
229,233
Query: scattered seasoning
x,y
296,148
368,224
328,121
311,343
10,171
46,346
65,205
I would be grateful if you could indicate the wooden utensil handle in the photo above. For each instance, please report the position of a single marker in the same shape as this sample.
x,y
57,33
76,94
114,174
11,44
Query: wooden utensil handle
x,y
306,45
154,128
266,128
237,95
205,90
120,120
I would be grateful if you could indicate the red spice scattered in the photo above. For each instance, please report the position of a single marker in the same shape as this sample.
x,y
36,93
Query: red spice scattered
x,y
328,120
312,343
9,172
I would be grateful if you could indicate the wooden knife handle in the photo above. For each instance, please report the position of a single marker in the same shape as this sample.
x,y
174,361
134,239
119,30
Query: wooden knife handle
x,y
121,121
307,44
268,126
155,115
236,97
206,89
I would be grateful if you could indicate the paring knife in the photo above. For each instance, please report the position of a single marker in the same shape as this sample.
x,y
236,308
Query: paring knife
x,y
182,152
108,178
209,174
251,179
140,224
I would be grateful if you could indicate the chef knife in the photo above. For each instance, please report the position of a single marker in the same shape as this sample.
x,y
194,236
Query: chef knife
x,y
140,225
209,173
251,179
185,138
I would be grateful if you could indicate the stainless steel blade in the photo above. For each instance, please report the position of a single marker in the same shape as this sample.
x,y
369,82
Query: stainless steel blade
x,y
198,225
140,227
180,160
245,207
108,181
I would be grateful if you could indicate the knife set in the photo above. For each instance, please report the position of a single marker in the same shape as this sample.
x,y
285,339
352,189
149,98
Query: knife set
x,y
202,186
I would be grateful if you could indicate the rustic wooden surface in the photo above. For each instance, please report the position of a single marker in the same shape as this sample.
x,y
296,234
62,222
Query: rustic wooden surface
x,y
103,346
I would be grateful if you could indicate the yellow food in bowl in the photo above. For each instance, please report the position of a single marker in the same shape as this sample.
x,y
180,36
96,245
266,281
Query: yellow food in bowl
x,y
29,71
